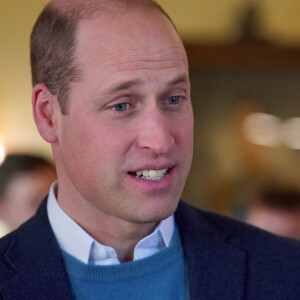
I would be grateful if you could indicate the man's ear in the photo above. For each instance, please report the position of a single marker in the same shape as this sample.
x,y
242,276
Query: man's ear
x,y
45,112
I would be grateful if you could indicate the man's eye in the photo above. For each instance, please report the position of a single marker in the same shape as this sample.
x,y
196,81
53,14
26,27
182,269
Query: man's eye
x,y
121,107
174,100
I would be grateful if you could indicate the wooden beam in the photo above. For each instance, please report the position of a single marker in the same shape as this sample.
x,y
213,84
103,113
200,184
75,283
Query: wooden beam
x,y
249,55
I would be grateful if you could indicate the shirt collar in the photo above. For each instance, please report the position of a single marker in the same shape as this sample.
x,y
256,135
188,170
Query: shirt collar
x,y
70,236
77,242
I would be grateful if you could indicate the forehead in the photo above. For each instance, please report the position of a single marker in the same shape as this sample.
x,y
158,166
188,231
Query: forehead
x,y
129,40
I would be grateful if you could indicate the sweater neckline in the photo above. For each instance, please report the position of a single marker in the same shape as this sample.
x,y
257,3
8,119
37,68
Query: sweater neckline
x,y
125,271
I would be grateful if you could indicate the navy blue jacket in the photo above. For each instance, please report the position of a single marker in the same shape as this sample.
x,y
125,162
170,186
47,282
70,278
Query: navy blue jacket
x,y
225,259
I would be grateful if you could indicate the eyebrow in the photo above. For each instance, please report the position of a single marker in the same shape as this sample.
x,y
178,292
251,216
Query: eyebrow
x,y
126,85
180,79
115,89
131,83
122,86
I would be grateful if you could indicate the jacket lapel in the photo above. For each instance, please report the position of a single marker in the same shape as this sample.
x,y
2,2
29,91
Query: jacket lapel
x,y
35,257
215,269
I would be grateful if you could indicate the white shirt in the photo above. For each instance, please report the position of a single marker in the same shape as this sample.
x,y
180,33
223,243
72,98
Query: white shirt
x,y
77,242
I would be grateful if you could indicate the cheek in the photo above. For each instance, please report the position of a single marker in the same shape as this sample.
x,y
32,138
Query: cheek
x,y
78,135
185,131
92,146
185,139
75,147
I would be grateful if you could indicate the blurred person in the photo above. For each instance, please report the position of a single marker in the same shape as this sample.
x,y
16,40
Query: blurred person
x,y
24,181
276,209
112,96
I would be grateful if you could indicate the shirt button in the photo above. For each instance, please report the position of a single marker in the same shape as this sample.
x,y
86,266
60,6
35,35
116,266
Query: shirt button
x,y
101,253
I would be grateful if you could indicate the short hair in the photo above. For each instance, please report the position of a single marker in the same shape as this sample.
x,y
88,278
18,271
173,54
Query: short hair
x,y
18,164
53,41
278,197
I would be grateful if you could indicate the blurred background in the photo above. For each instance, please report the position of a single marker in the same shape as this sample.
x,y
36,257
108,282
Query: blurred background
x,y
245,72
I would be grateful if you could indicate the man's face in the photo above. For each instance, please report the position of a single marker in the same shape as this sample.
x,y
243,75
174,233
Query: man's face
x,y
125,148
24,194
275,220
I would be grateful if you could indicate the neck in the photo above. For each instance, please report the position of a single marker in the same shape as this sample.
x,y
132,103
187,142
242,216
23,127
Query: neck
x,y
105,228
124,241
121,236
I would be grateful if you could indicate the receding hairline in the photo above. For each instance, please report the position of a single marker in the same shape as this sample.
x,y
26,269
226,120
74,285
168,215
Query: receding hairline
x,y
54,39
78,9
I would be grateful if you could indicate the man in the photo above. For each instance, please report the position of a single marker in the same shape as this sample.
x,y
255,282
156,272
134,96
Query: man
x,y
112,96
275,209
24,181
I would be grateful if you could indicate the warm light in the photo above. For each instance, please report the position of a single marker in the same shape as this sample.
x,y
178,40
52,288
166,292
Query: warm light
x,y
290,133
2,154
262,129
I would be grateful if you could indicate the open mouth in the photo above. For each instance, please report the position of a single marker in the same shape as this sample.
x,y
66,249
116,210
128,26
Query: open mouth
x,y
150,174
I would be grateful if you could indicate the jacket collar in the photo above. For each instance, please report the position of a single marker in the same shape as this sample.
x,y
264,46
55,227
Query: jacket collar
x,y
38,264
215,268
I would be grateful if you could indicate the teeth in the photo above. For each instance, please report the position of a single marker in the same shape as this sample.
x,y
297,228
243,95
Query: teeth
x,y
151,174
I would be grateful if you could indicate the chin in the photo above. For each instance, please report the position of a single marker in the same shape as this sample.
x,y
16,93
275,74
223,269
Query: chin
x,y
156,213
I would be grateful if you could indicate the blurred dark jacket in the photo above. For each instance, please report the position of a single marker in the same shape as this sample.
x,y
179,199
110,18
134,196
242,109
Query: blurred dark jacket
x,y
225,259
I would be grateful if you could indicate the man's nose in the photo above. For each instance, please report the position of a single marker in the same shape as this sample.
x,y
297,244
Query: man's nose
x,y
155,132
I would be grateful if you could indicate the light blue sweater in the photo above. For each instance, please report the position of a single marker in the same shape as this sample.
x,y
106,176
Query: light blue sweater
x,y
160,276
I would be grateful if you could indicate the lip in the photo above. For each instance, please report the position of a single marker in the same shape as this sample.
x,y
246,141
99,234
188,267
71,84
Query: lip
x,y
153,167
149,186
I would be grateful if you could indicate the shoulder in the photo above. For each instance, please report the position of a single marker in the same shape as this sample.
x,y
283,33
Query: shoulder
x,y
26,244
234,258
256,243
6,270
